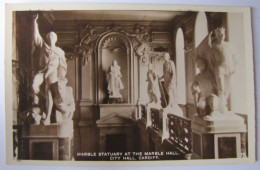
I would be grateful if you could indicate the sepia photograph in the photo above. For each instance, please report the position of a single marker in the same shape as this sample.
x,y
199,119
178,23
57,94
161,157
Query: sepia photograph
x,y
124,84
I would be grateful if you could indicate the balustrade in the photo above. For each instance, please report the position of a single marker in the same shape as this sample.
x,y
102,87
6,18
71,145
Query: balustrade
x,y
174,128
180,131
143,112
156,119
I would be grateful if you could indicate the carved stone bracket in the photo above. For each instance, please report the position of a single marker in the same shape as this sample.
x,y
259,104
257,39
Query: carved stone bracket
x,y
141,38
88,36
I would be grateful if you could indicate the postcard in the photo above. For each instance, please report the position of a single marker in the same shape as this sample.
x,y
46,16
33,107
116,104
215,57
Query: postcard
x,y
128,85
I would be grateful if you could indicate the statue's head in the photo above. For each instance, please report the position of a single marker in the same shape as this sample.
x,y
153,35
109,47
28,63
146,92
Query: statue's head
x,y
166,56
220,33
51,38
114,63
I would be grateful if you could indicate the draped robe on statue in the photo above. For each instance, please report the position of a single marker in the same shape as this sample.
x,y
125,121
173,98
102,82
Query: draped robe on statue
x,y
114,81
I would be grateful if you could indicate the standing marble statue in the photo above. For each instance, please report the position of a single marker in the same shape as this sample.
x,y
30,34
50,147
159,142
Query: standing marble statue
x,y
203,87
224,59
153,89
53,69
114,81
170,84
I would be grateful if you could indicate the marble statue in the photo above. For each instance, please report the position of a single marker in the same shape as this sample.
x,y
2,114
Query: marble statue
x,y
153,89
170,84
203,87
114,81
53,69
224,60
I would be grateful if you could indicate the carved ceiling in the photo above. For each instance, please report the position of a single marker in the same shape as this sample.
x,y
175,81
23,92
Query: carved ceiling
x,y
97,15
68,23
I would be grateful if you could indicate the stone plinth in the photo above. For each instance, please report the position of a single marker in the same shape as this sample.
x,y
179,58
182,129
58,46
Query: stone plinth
x,y
113,100
127,110
48,142
223,136
118,130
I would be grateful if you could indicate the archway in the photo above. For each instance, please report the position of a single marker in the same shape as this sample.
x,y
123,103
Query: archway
x,y
114,46
201,28
180,65
201,31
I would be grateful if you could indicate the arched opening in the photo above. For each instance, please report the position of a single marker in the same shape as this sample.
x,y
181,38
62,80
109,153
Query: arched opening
x,y
180,64
110,47
201,30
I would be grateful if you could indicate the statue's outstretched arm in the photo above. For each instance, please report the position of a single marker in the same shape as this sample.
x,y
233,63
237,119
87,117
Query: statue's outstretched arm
x,y
36,34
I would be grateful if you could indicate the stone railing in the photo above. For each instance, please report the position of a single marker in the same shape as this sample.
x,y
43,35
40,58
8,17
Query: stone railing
x,y
171,128
143,112
180,132
156,120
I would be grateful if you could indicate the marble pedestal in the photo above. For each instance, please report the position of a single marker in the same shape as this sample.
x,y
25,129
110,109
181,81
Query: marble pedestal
x,y
116,127
48,142
115,100
219,137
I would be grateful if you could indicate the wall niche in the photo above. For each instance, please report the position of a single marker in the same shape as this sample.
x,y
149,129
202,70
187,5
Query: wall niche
x,y
114,46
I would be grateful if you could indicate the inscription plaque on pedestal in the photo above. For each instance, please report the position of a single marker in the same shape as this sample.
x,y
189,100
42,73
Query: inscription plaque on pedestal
x,y
227,146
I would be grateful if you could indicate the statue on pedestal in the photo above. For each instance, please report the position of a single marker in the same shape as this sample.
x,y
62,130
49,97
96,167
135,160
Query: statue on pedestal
x,y
114,81
216,61
53,69
224,59
170,84
153,89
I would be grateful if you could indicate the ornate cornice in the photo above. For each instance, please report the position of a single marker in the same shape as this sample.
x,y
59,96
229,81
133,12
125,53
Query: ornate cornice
x,y
140,37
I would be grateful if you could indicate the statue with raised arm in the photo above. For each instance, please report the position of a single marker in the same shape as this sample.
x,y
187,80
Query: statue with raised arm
x,y
114,80
224,60
53,69
153,89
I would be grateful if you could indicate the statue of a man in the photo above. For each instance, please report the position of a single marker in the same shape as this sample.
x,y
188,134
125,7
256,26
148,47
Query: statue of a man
x,y
114,81
203,87
170,82
224,59
153,89
54,68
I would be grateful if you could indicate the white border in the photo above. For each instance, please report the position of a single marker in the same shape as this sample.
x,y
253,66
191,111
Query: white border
x,y
249,68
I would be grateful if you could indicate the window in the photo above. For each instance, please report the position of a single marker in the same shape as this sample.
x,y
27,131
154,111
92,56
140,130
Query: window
x,y
180,66
201,30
